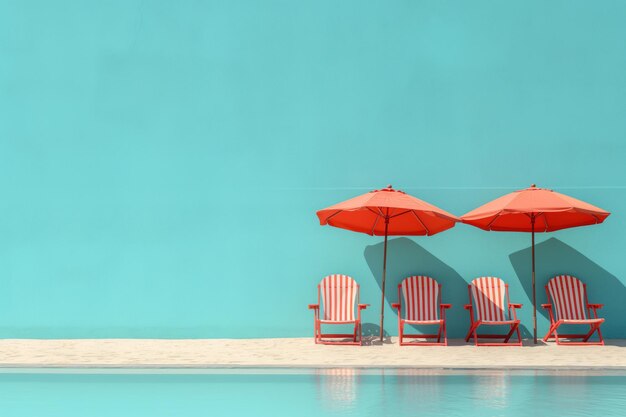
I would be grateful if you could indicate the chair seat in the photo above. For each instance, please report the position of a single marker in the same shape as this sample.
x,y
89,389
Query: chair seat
x,y
337,321
423,321
496,322
582,321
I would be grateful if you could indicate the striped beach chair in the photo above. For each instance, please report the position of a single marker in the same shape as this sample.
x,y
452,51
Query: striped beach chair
x,y
490,306
337,297
419,302
569,305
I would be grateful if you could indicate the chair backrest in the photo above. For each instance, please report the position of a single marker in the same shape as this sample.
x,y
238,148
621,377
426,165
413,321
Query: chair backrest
x,y
489,298
569,296
421,298
338,295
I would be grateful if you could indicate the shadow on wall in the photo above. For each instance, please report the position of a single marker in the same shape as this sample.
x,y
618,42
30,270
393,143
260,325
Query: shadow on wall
x,y
554,257
406,258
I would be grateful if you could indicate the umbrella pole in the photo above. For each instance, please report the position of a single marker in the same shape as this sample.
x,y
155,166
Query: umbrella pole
x,y
532,222
382,304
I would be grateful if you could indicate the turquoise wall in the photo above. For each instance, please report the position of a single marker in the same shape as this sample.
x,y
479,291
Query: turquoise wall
x,y
161,162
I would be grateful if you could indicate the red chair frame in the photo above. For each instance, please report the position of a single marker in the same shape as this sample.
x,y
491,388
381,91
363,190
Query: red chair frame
x,y
512,323
594,322
356,337
441,323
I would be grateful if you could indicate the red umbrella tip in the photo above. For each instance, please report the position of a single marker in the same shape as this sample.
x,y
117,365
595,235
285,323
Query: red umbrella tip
x,y
387,188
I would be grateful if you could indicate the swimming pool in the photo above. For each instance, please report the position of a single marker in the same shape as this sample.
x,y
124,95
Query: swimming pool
x,y
307,392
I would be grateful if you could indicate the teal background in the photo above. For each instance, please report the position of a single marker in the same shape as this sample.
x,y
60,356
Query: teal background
x,y
161,162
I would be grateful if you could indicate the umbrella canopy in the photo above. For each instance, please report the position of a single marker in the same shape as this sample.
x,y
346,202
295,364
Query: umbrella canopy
x,y
550,210
534,210
407,215
387,212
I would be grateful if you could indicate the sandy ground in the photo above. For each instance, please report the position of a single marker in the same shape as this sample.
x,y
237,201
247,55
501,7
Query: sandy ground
x,y
299,352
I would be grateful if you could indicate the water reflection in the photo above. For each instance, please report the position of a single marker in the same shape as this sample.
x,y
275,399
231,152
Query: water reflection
x,y
491,390
421,389
337,388
410,392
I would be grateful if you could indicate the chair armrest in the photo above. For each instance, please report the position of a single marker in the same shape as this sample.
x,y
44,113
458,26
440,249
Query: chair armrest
x,y
595,306
446,305
467,306
546,306
363,306
515,305
314,306
396,305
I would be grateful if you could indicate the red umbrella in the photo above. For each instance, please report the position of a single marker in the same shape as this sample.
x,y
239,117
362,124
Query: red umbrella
x,y
387,212
534,210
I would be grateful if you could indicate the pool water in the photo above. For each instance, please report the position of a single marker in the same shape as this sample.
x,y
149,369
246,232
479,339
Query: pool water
x,y
342,392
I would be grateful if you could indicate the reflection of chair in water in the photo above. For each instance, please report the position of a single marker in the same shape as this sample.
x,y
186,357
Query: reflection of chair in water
x,y
491,390
420,391
572,391
337,387
571,306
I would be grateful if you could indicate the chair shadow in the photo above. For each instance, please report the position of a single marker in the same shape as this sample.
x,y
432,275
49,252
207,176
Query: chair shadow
x,y
554,257
406,258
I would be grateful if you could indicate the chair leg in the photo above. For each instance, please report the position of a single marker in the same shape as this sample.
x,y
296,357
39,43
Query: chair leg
x,y
476,335
553,327
600,336
441,334
594,328
514,329
553,332
510,333
319,331
470,332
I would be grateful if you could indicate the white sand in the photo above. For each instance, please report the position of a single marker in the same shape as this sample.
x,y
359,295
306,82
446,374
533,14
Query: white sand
x,y
299,352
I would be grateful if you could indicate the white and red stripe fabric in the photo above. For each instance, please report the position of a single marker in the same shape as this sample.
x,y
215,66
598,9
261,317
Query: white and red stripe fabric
x,y
490,305
421,299
569,298
421,304
338,294
489,299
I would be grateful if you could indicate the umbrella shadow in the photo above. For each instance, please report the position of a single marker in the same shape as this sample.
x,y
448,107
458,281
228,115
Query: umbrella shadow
x,y
371,335
406,258
554,257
